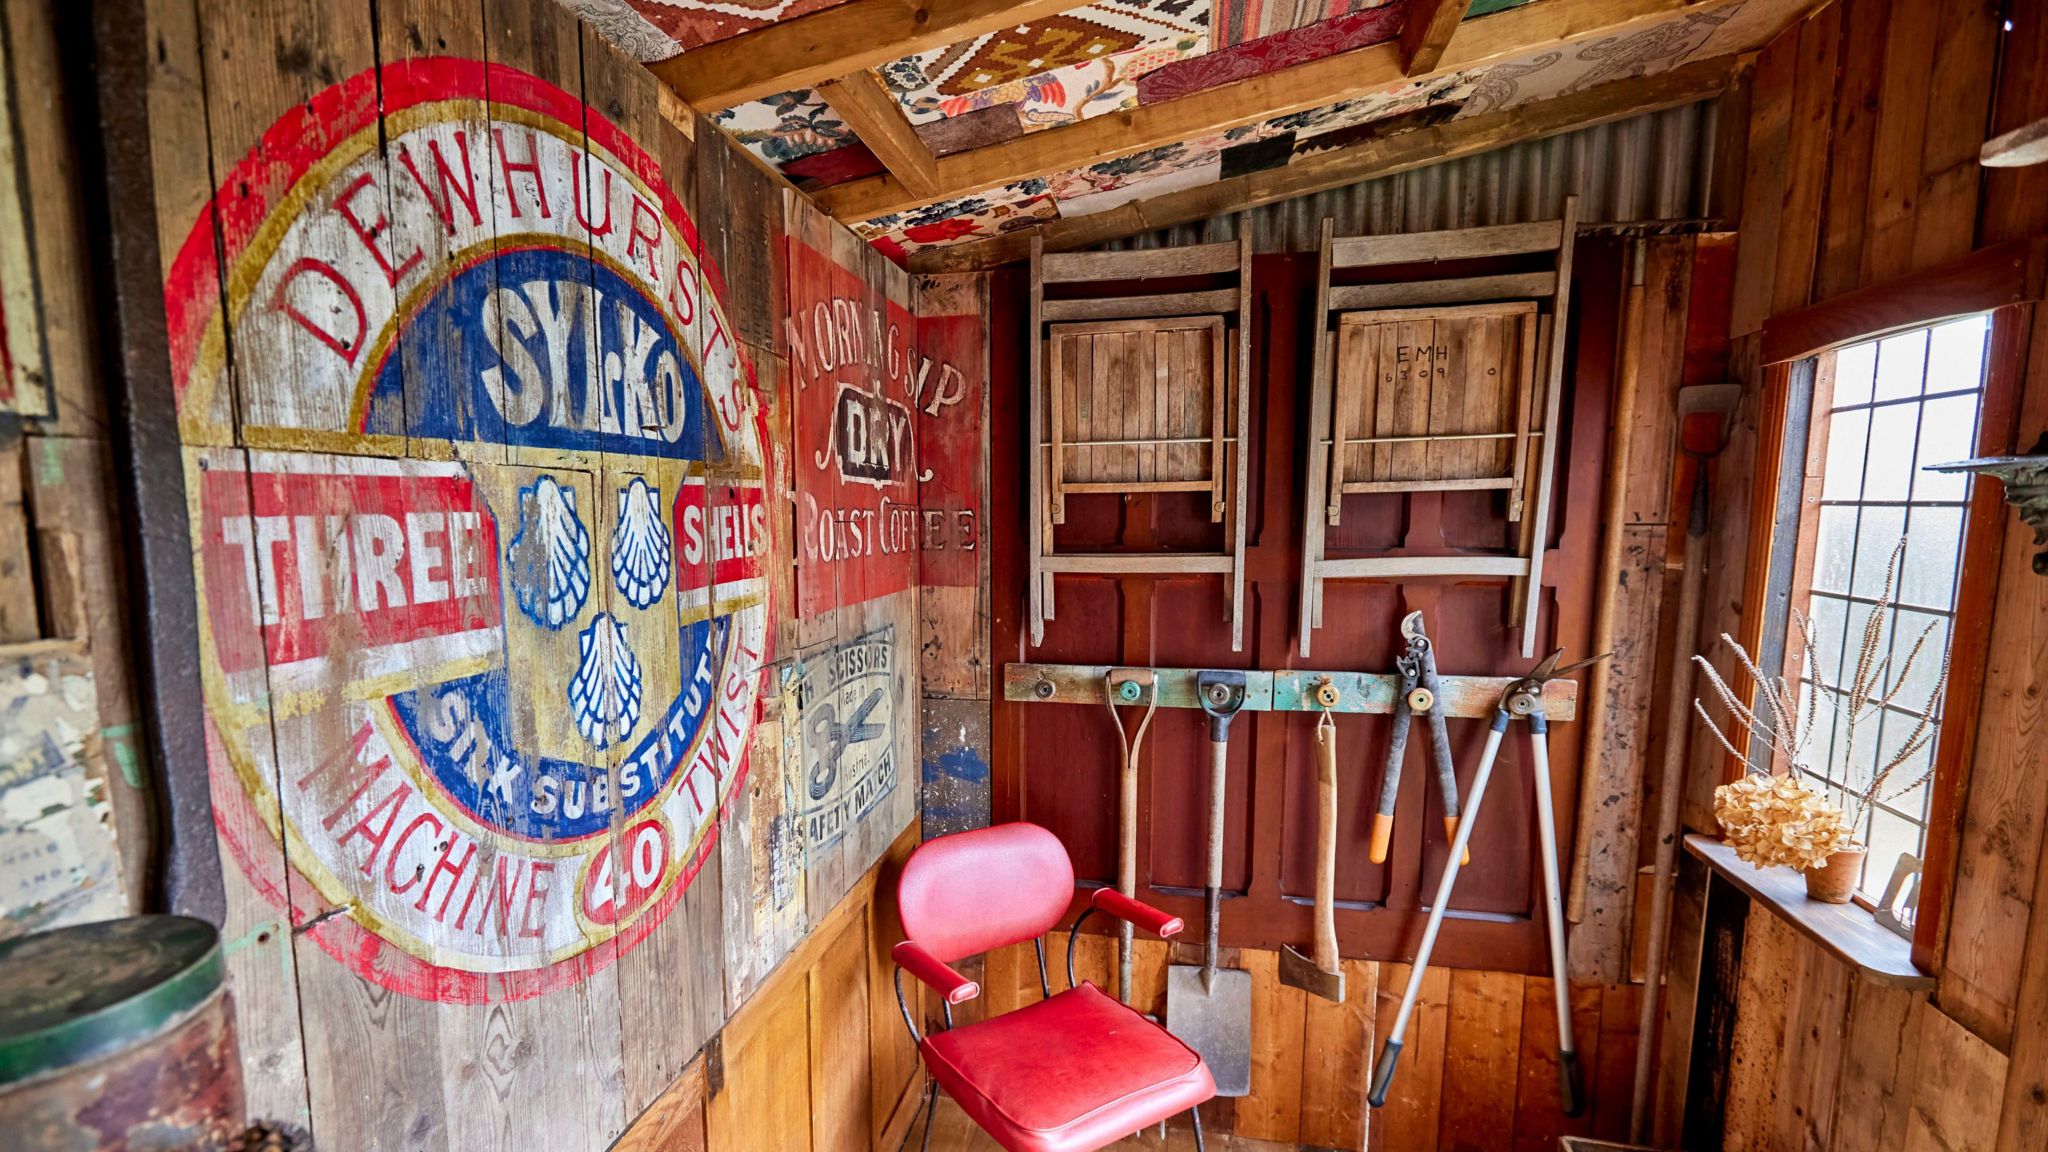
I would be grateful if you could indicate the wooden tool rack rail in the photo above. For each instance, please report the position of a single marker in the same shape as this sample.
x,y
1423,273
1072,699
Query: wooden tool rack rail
x,y
1371,693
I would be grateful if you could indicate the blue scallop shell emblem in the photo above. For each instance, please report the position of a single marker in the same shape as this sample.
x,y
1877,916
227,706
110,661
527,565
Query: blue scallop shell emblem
x,y
642,550
547,561
605,695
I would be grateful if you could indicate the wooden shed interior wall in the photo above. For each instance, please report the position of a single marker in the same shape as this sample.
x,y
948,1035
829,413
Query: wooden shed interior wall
x,y
1864,127
1479,1069
762,1017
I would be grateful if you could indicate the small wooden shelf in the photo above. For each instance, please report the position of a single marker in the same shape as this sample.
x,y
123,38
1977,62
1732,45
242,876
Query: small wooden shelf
x,y
1846,932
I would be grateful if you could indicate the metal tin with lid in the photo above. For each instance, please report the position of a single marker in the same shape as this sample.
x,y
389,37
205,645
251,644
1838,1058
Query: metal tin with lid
x,y
118,1026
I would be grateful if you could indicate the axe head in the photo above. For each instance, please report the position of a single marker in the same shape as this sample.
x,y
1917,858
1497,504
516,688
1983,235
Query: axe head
x,y
1298,971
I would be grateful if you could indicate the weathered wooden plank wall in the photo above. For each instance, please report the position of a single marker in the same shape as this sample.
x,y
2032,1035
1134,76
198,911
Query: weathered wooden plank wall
x,y
544,447
1862,168
74,813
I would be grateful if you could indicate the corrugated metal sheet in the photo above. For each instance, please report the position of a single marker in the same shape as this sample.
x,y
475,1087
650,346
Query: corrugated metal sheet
x,y
1651,167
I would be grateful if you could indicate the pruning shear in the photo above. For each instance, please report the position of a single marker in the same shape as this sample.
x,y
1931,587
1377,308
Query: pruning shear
x,y
1419,692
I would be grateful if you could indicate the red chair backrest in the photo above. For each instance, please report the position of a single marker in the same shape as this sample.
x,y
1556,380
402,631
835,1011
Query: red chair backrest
x,y
973,891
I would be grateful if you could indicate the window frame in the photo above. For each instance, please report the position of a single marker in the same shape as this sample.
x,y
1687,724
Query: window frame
x,y
2005,281
1810,412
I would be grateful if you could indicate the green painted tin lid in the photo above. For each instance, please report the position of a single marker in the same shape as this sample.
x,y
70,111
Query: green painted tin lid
x,y
70,995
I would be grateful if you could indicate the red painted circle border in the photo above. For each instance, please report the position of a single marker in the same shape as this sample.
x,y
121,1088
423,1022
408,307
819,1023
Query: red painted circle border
x,y
193,293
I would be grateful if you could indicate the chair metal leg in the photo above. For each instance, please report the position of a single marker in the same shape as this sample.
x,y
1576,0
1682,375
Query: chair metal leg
x,y
930,1108
1195,1114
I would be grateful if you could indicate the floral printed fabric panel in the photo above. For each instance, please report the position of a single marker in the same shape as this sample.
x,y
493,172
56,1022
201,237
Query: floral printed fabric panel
x,y
695,23
1055,70
1572,68
1271,53
1403,98
626,28
787,127
992,213
1234,22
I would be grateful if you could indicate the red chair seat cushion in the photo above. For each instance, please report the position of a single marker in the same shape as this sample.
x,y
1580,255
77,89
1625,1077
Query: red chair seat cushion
x,y
1069,1074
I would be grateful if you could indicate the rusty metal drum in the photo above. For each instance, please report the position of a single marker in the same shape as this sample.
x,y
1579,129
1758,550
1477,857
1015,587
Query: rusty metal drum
x,y
118,1037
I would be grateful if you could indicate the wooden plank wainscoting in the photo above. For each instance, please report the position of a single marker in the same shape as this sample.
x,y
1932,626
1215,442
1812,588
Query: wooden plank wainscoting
x,y
817,1060
1861,173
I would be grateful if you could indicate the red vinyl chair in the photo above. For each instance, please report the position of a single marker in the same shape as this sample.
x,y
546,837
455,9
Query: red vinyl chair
x,y
1075,1071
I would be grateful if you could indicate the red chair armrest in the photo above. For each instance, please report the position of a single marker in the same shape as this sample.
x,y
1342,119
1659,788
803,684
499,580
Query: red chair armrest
x,y
934,972
1143,915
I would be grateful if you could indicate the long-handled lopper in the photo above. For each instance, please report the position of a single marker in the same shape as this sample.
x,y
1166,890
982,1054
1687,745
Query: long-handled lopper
x,y
1420,691
1323,974
1523,699
1210,1008
1128,686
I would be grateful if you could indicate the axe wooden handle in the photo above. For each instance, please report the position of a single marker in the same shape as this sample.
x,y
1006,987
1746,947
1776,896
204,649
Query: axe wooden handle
x,y
1326,850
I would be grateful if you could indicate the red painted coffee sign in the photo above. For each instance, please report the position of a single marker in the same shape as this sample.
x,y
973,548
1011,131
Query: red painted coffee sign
x,y
476,491
859,378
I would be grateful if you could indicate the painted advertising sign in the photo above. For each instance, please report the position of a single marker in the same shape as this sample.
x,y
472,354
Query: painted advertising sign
x,y
952,432
858,375
845,739
479,531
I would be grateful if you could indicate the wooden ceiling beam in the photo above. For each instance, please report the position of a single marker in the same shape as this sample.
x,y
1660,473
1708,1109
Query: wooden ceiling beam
x,y
839,41
1343,76
874,115
1427,32
1366,160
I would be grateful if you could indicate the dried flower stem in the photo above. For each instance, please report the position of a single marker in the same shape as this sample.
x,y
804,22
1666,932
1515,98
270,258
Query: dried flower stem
x,y
1793,712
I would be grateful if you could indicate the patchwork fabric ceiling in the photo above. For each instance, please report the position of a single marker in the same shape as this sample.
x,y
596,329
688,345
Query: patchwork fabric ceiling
x,y
1116,55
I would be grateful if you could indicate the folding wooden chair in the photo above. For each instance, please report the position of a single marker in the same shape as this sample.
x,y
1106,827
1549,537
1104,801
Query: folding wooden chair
x,y
1438,385
1140,393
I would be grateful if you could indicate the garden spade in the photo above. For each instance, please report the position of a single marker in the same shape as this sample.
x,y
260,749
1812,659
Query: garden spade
x,y
1210,1008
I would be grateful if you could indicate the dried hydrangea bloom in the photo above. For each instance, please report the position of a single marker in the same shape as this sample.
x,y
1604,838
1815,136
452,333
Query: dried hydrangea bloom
x,y
1779,820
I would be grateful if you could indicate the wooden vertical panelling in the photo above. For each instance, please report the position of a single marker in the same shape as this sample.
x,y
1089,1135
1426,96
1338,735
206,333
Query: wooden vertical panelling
x,y
1770,966
1482,1050
841,1072
1956,1081
766,1104
1958,110
1914,31
1822,1060
2016,199
1279,1018
1879,1058
2005,811
1810,1066
1861,72
1539,1109
1763,193
1412,1115
1810,130
1336,1060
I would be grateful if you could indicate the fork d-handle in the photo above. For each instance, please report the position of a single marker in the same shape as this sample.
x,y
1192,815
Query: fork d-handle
x,y
1390,1052
1569,1075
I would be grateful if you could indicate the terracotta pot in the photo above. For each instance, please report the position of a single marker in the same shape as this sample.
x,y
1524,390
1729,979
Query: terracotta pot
x,y
1835,881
